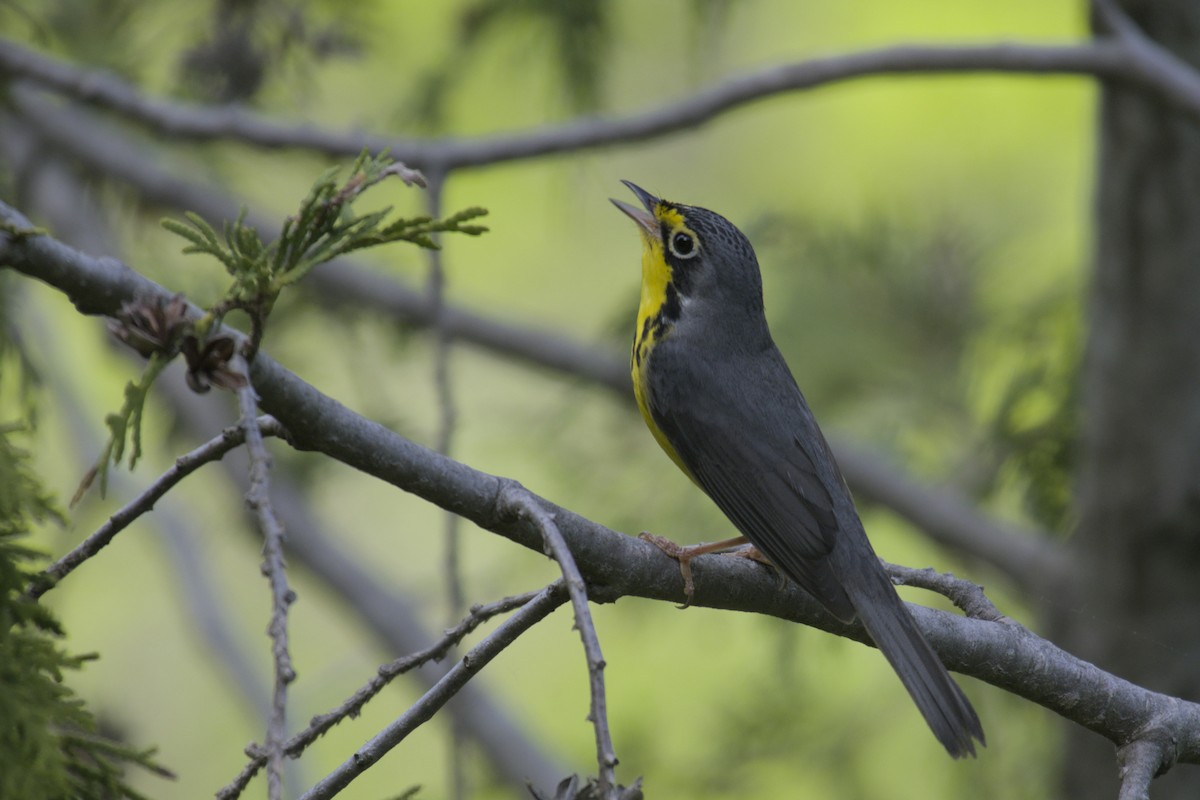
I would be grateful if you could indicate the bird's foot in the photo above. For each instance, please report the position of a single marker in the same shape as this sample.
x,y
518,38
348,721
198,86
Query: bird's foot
x,y
685,553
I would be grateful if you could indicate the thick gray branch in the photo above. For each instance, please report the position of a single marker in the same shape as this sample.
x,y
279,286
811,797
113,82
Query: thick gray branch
x,y
1005,655
1027,557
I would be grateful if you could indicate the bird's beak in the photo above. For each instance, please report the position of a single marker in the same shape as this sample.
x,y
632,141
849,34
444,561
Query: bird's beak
x,y
645,219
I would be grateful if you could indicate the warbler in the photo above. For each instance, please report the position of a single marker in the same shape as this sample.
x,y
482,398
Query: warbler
x,y
719,398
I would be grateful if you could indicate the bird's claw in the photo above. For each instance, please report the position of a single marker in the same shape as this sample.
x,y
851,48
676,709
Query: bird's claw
x,y
682,555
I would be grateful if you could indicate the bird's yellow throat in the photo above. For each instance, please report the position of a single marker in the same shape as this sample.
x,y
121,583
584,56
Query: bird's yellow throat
x,y
652,327
656,280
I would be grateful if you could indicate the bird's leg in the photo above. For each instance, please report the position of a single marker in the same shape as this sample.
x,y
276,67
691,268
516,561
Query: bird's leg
x,y
684,555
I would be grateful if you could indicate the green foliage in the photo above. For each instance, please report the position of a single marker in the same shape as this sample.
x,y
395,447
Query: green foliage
x,y
91,33
1036,424
126,424
23,499
49,746
909,287
17,371
996,387
249,45
324,228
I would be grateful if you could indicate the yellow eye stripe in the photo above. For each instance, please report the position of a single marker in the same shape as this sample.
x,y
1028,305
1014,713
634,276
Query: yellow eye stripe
x,y
675,224
669,216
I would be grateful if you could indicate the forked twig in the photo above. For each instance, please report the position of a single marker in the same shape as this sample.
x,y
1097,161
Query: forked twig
x,y
212,450
321,724
259,500
968,596
423,710
515,500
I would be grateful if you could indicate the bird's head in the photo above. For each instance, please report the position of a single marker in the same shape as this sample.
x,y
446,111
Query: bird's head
x,y
693,258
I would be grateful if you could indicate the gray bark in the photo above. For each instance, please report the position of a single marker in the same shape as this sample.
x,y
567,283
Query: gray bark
x,y
1137,610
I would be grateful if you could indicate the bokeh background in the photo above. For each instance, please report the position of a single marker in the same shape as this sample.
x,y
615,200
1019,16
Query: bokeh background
x,y
924,245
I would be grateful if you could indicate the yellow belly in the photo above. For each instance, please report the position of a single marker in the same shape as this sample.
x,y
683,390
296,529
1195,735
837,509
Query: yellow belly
x,y
640,372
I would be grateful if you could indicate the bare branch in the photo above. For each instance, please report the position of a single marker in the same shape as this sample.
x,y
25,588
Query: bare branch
x,y
1152,64
420,712
258,498
384,608
321,724
348,281
193,573
1032,559
1137,763
212,450
1112,60
614,565
447,419
514,499
967,596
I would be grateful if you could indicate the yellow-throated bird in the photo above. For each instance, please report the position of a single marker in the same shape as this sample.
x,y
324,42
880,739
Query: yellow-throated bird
x,y
719,398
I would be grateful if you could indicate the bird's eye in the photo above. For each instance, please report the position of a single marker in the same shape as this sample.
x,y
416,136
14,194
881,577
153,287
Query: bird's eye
x,y
683,245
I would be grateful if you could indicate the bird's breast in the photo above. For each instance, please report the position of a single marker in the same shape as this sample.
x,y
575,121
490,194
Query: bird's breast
x,y
650,334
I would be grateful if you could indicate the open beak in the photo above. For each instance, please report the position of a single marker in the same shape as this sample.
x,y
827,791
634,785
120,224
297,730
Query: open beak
x,y
645,219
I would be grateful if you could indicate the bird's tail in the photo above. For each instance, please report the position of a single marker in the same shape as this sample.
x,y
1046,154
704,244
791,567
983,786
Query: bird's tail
x,y
893,629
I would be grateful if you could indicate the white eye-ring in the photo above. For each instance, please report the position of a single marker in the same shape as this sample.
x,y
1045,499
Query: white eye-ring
x,y
683,245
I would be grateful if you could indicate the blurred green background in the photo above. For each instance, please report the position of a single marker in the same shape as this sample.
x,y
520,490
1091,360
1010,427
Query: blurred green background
x,y
922,242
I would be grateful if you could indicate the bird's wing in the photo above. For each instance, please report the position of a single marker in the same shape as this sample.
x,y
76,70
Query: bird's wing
x,y
764,478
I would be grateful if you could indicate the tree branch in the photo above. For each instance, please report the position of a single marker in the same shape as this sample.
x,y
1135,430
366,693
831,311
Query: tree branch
x,y
516,500
1112,60
1005,655
1137,765
346,281
1029,558
423,710
968,597
212,450
386,611
352,707
1172,77
54,189
258,498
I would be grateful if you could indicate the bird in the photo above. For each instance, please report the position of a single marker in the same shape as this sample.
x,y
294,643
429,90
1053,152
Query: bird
x,y
722,403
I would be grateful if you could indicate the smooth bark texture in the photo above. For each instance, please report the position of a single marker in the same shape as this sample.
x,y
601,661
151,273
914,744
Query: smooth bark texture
x,y
1137,609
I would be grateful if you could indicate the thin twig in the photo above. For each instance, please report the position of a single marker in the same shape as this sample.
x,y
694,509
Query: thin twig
x,y
389,612
447,414
516,501
967,596
212,450
423,710
349,281
452,528
259,500
321,724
